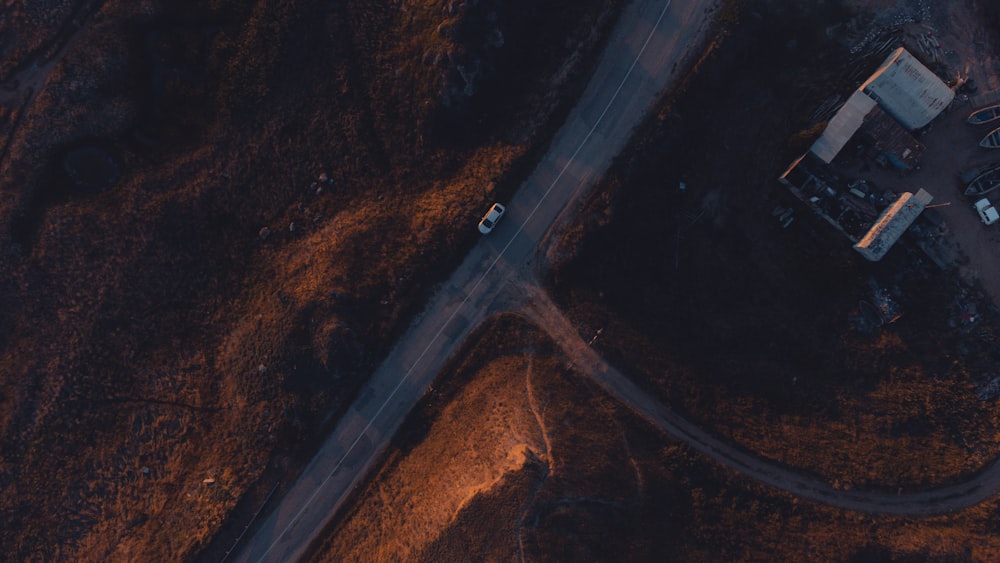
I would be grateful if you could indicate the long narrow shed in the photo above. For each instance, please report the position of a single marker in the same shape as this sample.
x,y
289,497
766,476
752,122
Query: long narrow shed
x,y
842,126
892,224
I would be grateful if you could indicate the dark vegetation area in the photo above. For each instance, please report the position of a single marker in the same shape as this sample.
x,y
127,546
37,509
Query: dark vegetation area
x,y
596,483
750,329
991,11
216,218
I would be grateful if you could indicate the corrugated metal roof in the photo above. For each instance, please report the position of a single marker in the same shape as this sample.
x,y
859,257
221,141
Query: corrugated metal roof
x,y
842,126
908,90
892,224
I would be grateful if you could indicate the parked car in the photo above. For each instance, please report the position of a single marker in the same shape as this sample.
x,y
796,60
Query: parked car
x,y
987,212
491,218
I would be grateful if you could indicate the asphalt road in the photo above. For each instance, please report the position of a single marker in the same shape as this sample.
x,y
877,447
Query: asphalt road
x,y
650,41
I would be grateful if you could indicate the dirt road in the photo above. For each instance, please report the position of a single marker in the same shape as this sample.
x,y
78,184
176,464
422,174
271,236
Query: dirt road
x,y
540,309
648,46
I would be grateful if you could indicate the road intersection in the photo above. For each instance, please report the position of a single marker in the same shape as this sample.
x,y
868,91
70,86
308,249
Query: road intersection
x,y
652,39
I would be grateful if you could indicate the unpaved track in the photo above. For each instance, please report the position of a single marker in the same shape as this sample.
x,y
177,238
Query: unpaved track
x,y
543,312
648,46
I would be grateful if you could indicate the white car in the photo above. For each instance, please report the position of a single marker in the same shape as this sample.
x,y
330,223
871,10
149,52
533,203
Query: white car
x,y
491,218
987,212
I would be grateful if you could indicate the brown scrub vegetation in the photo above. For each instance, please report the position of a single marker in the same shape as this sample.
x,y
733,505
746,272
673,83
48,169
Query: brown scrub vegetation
x,y
215,219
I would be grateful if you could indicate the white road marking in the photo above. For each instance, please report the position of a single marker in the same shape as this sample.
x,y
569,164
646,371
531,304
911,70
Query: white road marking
x,y
476,286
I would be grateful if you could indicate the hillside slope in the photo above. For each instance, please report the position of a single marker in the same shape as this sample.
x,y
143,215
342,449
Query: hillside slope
x,y
216,218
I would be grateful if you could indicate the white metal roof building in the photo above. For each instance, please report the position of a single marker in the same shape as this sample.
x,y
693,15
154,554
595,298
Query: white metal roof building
x,y
908,90
892,224
902,87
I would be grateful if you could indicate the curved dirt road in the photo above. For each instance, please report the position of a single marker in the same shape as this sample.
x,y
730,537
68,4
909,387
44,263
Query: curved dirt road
x,y
649,44
543,312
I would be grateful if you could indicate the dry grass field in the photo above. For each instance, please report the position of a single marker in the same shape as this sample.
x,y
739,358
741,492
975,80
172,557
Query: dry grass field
x,y
216,217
